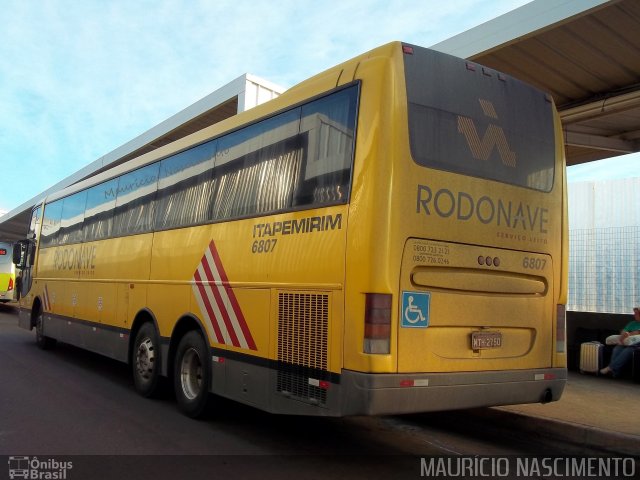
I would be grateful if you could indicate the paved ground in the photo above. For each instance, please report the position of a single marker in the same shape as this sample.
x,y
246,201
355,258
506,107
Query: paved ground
x,y
71,402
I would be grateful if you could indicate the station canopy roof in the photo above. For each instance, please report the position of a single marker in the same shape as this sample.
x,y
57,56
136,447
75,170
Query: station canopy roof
x,y
585,53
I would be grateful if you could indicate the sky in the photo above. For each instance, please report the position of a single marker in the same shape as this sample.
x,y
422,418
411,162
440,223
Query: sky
x,y
80,78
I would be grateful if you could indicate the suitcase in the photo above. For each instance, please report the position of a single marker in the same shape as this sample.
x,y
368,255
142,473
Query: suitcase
x,y
635,365
591,354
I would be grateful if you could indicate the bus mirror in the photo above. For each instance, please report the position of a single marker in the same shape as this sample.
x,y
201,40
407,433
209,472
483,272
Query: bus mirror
x,y
18,254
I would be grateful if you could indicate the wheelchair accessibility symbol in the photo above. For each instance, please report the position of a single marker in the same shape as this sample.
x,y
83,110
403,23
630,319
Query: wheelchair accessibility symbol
x,y
415,309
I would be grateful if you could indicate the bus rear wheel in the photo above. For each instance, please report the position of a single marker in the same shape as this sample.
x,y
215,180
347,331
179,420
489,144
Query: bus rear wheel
x,y
192,373
145,361
43,342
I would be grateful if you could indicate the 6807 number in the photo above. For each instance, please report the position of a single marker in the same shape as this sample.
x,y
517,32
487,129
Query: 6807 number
x,y
264,246
534,263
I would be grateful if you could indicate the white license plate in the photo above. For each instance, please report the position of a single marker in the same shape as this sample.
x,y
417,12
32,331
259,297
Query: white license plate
x,y
483,340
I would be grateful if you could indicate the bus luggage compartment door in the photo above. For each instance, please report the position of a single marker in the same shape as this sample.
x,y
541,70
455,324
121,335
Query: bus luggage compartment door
x,y
474,308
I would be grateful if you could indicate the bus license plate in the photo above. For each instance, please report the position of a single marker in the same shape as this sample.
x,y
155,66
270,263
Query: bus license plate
x,y
482,340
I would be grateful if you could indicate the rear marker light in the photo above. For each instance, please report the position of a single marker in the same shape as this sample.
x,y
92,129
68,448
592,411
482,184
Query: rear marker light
x,y
502,77
407,49
488,261
471,67
414,383
10,284
486,72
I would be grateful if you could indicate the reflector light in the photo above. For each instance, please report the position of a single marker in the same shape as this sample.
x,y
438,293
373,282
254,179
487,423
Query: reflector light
x,y
406,383
561,326
407,49
549,376
323,384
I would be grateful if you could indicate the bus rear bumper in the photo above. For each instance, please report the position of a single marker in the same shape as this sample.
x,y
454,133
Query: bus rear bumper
x,y
378,394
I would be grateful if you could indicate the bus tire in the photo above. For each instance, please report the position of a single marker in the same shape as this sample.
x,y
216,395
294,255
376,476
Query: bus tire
x,y
43,342
145,361
192,374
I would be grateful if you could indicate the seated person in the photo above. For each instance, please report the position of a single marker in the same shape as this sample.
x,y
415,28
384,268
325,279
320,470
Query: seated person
x,y
622,354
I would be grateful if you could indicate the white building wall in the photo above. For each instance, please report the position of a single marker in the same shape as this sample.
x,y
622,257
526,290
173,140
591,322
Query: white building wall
x,y
604,246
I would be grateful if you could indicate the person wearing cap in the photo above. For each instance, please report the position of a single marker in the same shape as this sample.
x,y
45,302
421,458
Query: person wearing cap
x,y
622,354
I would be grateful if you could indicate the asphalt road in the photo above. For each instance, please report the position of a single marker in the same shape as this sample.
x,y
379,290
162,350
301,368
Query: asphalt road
x,y
67,402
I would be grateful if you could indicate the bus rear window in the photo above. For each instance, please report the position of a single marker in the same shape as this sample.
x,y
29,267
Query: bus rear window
x,y
468,119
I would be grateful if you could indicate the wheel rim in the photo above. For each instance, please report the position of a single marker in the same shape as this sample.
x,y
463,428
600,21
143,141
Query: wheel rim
x,y
191,374
145,358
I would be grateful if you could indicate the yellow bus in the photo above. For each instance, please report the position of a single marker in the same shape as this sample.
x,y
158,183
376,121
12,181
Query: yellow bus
x,y
7,273
388,236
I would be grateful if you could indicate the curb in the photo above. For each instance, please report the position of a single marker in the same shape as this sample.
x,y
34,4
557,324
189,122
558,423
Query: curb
x,y
586,436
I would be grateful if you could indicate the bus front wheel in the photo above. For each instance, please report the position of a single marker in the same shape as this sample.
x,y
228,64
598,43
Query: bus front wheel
x,y
43,342
192,373
145,362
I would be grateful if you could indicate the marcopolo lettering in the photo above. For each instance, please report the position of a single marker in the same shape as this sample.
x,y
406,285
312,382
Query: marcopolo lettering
x,y
487,210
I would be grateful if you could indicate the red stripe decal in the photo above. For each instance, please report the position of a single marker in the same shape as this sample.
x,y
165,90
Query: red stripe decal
x,y
232,321
209,313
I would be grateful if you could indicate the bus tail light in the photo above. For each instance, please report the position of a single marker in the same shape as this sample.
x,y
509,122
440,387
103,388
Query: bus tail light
x,y
561,328
10,284
377,323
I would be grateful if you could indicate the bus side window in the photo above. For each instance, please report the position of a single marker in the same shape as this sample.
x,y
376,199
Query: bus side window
x,y
98,214
328,130
256,168
72,218
51,223
35,221
185,187
134,201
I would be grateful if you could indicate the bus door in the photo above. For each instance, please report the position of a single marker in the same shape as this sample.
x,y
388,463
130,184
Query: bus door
x,y
24,254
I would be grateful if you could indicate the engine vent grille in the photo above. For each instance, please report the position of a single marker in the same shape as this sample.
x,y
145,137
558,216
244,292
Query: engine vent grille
x,y
303,331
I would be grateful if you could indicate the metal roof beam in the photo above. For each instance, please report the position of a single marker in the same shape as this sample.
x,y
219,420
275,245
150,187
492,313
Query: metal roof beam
x,y
617,145
600,107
